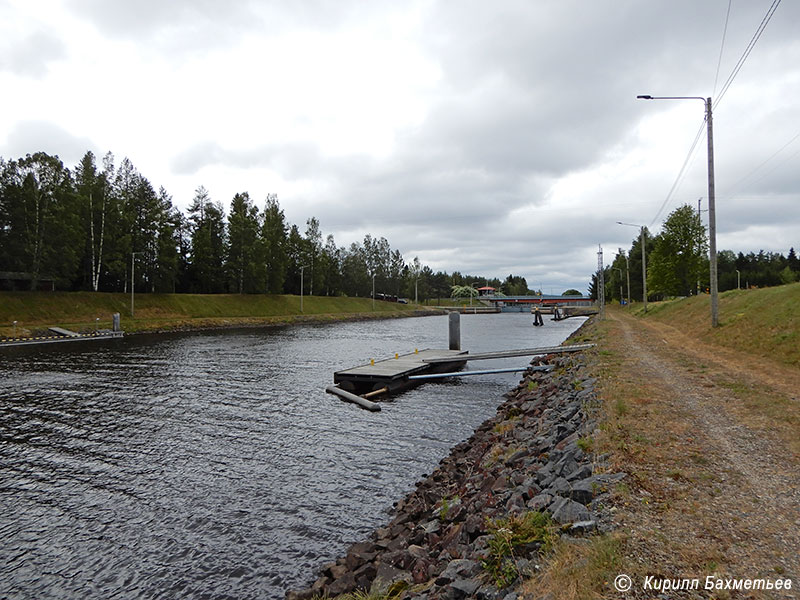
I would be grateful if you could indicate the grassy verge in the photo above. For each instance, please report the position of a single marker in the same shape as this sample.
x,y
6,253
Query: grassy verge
x,y
763,322
173,312
665,509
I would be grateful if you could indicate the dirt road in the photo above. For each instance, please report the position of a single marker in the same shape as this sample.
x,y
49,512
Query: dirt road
x,y
711,439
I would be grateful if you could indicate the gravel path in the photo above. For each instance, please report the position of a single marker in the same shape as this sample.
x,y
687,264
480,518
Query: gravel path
x,y
748,507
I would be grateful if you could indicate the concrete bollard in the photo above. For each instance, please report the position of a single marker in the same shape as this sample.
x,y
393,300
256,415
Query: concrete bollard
x,y
115,319
454,322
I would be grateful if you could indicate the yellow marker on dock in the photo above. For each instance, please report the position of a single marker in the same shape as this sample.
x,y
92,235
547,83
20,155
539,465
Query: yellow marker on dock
x,y
396,356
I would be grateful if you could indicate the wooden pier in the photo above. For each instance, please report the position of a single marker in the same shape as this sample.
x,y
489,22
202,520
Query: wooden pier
x,y
392,373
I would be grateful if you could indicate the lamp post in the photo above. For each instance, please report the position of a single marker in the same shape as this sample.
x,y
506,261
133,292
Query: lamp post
x,y
133,281
302,268
644,264
738,280
620,283
712,213
472,285
373,291
628,277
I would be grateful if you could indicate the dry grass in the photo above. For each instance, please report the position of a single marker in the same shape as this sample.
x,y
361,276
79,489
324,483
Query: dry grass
x,y
175,312
680,505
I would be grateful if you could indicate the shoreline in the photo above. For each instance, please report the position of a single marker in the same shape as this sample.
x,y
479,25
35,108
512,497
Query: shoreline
x,y
479,524
233,323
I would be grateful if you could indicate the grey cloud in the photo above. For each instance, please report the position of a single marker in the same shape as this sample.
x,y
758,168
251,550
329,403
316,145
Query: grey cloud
x,y
31,56
27,137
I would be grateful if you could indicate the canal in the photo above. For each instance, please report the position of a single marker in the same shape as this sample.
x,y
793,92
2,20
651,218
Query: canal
x,y
213,465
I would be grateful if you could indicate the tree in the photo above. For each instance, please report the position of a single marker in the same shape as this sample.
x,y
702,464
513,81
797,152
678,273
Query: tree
x,y
242,244
677,263
273,244
208,243
41,228
514,285
312,252
571,292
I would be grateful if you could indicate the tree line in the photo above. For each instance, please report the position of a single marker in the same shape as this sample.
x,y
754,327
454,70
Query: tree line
x,y
677,263
102,227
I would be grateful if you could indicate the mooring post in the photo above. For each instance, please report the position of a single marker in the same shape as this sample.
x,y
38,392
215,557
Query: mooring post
x,y
454,322
115,319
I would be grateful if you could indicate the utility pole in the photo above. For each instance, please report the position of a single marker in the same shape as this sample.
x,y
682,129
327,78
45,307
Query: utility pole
x,y
644,265
601,282
712,219
712,212
628,277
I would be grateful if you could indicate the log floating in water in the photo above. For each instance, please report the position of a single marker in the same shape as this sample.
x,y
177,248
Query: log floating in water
x,y
348,397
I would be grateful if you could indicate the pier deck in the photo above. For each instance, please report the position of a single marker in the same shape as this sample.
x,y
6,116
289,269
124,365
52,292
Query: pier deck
x,y
392,373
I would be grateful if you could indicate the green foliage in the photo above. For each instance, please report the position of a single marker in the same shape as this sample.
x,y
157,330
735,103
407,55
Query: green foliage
x,y
571,292
512,536
678,260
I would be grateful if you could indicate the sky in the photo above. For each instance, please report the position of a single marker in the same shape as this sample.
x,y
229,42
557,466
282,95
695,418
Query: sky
x,y
486,138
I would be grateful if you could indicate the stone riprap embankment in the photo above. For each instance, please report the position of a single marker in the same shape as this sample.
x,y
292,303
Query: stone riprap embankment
x,y
533,456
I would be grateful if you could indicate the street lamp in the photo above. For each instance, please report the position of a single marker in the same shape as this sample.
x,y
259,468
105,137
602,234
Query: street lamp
x,y
620,283
133,281
644,265
301,286
712,218
738,280
373,291
628,277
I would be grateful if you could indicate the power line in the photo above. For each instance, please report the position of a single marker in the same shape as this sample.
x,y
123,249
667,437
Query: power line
x,y
722,46
681,173
738,185
764,22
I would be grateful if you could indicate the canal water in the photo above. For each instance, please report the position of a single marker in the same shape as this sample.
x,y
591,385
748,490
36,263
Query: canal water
x,y
214,465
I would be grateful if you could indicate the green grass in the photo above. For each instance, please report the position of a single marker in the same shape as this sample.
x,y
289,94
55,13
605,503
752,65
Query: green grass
x,y
155,312
765,322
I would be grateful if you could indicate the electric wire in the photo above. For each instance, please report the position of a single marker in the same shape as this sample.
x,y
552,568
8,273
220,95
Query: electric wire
x,y
740,63
759,30
681,173
722,46
739,185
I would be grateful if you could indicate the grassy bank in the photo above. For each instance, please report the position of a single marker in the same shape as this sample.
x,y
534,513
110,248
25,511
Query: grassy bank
x,y
680,508
164,312
763,322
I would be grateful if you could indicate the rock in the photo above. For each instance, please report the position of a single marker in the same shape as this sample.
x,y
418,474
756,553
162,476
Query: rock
x,y
559,487
540,502
344,584
583,527
582,491
385,576
462,588
300,594
582,472
568,511
418,551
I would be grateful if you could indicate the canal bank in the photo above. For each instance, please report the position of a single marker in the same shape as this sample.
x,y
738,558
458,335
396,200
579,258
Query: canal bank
x,y
26,314
477,526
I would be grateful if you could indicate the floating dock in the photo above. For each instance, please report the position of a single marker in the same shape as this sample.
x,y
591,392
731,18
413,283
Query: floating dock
x,y
64,335
392,374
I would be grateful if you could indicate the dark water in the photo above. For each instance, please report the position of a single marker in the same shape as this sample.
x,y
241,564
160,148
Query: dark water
x,y
214,465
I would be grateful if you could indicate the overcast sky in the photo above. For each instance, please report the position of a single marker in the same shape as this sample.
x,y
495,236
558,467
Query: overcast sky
x,y
484,137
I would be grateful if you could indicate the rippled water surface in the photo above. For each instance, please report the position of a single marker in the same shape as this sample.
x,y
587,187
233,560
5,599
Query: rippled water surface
x,y
214,465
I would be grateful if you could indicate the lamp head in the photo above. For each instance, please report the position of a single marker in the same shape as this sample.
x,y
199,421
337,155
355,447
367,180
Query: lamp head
x,y
647,97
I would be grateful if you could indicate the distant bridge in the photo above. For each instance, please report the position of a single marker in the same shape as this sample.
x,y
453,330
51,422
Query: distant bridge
x,y
547,302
